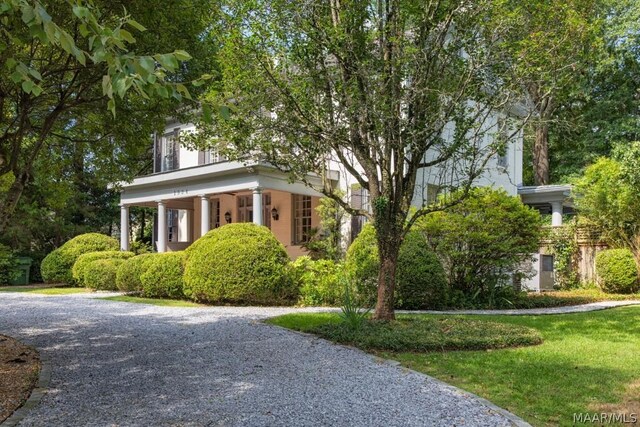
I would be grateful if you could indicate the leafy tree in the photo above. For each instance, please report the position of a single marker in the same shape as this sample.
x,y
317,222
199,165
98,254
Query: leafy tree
x,y
608,196
63,65
553,46
387,89
326,241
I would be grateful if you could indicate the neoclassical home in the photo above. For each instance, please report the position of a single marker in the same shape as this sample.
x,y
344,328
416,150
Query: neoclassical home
x,y
196,191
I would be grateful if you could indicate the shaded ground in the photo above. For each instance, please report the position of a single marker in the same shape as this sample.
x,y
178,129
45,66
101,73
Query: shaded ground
x,y
19,367
116,363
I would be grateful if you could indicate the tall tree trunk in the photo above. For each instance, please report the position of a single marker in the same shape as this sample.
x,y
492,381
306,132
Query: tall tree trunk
x,y
10,202
389,240
541,153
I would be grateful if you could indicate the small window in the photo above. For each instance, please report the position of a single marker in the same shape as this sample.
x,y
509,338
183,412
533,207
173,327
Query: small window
x,y
547,262
301,218
501,139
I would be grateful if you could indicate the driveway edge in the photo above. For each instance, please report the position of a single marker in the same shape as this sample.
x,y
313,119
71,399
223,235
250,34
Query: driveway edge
x,y
44,379
514,419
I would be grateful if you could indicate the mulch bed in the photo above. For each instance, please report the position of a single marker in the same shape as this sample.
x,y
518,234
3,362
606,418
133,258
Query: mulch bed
x,y
19,369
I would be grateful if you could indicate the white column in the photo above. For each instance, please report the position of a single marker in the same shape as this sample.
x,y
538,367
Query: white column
x,y
556,214
162,227
257,206
124,227
205,214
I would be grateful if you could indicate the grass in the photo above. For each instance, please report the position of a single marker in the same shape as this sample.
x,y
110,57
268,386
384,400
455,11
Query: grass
x,y
572,297
588,362
414,333
44,290
153,301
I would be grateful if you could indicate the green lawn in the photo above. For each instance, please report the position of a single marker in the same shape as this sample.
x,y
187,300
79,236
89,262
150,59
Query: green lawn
x,y
153,301
588,362
44,290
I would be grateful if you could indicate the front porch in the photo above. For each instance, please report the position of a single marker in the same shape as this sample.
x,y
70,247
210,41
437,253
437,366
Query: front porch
x,y
189,205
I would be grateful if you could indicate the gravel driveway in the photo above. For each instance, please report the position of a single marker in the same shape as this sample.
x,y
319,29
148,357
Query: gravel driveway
x,y
124,364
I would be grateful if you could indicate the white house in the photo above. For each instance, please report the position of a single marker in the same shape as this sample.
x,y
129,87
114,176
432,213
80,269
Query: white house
x,y
195,191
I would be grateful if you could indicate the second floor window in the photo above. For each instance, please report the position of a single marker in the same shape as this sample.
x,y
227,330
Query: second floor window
x,y
167,152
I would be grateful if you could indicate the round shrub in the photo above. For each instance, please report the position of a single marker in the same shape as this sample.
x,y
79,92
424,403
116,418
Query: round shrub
x,y
420,278
318,281
100,274
617,271
56,267
128,277
77,271
239,263
163,275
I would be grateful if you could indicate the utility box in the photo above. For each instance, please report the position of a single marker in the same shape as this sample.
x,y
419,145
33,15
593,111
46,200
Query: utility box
x,y
24,265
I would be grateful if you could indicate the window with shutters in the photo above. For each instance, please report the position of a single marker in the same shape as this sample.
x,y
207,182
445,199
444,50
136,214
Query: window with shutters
x,y
168,152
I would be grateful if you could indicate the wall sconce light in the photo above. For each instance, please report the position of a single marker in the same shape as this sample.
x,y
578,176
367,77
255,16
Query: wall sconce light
x,y
227,217
274,214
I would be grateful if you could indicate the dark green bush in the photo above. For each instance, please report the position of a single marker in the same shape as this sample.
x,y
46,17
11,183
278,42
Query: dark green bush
x,y
77,271
100,274
420,280
482,242
318,281
130,272
617,271
56,267
8,265
241,264
163,275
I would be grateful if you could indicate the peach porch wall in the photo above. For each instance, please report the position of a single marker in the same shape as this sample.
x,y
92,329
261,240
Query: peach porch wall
x,y
282,229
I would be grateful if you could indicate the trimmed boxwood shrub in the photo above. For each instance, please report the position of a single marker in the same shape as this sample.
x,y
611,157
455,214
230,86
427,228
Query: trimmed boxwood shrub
x,y
617,271
420,278
318,281
100,274
128,277
77,272
241,264
162,277
56,267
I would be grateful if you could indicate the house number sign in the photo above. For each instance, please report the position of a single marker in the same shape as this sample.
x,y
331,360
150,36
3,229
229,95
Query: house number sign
x,y
180,191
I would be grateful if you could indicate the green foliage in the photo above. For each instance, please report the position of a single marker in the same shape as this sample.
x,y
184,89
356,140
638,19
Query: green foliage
x,y
617,271
606,197
564,248
56,267
352,314
239,263
325,242
162,277
128,278
78,269
8,265
482,241
420,280
100,274
318,281
414,333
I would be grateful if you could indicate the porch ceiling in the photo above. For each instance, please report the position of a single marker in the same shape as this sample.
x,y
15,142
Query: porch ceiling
x,y
544,194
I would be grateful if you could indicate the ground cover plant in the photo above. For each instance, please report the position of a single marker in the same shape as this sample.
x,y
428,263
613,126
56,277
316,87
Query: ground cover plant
x,y
587,362
413,333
